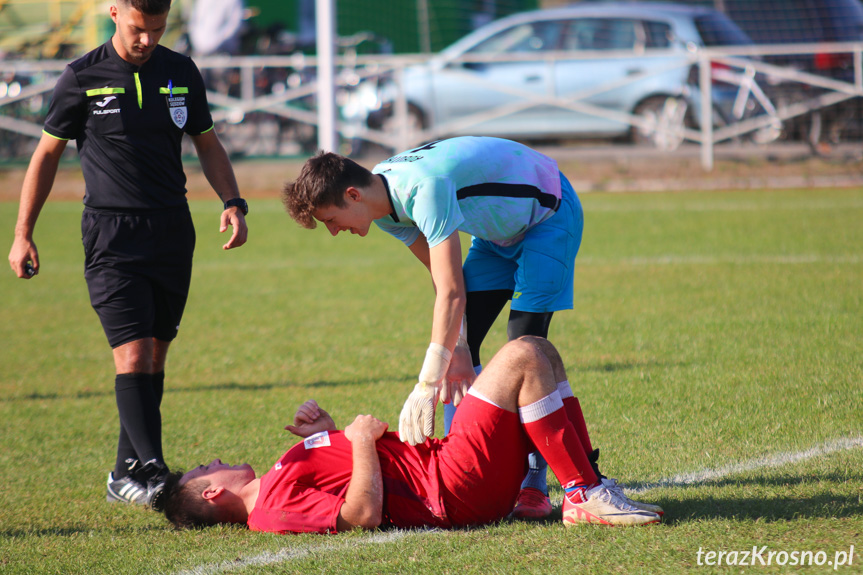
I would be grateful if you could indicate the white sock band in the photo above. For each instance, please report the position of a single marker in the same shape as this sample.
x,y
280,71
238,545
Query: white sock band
x,y
539,409
564,389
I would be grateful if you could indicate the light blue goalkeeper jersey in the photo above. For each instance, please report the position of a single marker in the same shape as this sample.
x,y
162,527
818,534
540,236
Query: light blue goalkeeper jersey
x,y
490,188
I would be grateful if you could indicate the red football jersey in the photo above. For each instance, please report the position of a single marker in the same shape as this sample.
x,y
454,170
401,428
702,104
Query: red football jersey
x,y
305,489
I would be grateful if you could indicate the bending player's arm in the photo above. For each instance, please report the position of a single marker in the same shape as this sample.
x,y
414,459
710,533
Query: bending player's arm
x,y
217,168
450,299
448,327
364,500
436,379
24,257
444,263
420,249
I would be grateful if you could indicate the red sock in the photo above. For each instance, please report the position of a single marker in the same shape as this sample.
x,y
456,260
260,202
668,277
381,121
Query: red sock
x,y
547,424
573,412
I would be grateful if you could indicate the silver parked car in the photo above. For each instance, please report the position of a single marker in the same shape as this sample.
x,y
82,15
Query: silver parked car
x,y
580,71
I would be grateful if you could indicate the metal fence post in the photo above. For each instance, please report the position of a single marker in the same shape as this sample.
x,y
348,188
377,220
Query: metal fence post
x,y
704,83
325,26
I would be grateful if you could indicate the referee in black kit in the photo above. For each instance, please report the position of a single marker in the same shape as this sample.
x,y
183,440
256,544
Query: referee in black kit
x,y
127,105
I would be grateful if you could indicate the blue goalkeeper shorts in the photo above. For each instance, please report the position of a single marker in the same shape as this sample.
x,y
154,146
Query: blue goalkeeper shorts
x,y
538,269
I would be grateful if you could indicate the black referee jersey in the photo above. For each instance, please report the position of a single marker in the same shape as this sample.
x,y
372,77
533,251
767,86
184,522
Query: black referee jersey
x,y
128,122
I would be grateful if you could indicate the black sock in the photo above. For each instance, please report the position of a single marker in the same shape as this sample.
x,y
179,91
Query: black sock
x,y
125,450
159,386
140,420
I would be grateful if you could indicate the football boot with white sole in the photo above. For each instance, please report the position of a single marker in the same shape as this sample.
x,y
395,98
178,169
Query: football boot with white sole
x,y
599,505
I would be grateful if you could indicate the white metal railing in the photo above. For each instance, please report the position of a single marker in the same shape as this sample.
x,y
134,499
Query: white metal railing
x,y
285,89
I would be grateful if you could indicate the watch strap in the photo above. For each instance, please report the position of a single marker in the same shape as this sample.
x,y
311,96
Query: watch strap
x,y
239,203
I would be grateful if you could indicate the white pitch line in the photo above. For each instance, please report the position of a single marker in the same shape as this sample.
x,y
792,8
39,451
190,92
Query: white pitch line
x,y
766,462
291,554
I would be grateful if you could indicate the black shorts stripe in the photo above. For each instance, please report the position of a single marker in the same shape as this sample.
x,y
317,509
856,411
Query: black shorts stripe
x,y
502,190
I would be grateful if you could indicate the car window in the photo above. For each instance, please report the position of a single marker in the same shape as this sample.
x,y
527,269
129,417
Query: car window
x,y
600,34
777,21
658,34
524,38
717,30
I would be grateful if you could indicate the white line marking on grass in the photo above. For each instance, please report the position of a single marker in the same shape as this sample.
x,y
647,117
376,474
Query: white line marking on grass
x,y
293,553
766,462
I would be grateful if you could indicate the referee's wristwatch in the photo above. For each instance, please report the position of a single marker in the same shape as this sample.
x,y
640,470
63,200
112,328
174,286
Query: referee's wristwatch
x,y
239,203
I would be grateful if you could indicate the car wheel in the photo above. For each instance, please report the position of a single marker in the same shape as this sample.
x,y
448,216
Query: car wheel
x,y
662,120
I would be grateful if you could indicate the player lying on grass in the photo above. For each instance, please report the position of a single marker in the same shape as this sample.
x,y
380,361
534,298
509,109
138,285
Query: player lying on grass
x,y
366,477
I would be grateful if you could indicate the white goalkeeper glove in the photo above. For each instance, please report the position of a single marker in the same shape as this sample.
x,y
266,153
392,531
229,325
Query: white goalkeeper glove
x,y
416,421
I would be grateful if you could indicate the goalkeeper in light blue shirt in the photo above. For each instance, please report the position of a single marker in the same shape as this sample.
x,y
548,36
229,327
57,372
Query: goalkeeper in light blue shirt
x,y
526,224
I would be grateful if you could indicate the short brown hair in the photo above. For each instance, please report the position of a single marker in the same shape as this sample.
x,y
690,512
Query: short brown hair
x,y
322,182
184,506
148,7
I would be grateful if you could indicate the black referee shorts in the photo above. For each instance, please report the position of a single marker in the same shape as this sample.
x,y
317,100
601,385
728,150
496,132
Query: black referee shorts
x,y
138,269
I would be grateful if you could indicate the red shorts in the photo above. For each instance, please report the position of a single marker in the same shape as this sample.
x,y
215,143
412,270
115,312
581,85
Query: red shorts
x,y
483,461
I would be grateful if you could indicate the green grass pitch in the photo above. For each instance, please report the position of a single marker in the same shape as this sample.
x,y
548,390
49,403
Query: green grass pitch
x,y
716,346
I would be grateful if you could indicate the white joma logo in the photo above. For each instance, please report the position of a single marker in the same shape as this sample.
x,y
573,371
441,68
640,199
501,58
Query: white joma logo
x,y
104,102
